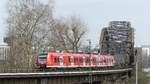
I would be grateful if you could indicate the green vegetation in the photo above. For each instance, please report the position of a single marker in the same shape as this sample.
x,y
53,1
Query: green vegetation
x,y
142,78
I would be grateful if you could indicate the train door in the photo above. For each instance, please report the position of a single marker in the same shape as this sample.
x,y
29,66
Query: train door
x,y
54,60
101,60
71,60
87,60
104,61
107,61
84,64
61,61
94,60
66,59
81,60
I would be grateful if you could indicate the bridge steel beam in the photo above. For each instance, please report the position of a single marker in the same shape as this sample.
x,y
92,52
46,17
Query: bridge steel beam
x,y
76,78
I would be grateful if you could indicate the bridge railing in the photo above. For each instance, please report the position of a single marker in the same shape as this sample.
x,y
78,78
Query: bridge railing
x,y
26,70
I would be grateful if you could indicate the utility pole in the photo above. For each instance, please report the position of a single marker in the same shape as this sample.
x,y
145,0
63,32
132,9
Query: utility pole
x,y
90,74
89,47
136,70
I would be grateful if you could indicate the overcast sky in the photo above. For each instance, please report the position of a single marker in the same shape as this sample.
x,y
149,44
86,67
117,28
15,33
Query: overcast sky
x,y
98,13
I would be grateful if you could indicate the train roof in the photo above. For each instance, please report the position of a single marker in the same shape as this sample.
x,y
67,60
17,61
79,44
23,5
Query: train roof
x,y
76,54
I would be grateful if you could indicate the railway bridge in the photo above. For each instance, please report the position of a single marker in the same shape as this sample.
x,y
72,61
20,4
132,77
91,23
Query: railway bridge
x,y
117,39
117,76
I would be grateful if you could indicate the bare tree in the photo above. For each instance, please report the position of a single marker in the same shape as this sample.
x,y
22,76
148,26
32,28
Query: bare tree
x,y
31,26
68,33
28,27
75,32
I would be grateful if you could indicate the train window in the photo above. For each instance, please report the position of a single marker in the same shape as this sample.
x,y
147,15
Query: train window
x,y
81,60
43,56
87,60
84,60
93,60
98,59
110,60
61,60
101,60
55,60
71,59
76,60
105,60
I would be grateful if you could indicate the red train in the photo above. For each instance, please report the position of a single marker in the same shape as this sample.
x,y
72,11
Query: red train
x,y
67,60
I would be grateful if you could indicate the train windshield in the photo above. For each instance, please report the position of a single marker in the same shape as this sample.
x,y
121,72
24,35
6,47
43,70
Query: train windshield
x,y
43,56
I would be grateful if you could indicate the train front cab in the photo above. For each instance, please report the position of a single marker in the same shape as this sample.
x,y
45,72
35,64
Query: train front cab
x,y
41,60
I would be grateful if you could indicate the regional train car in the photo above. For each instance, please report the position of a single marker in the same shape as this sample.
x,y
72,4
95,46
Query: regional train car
x,y
67,60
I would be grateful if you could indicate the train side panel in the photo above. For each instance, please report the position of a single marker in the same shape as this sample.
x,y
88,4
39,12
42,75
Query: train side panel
x,y
66,60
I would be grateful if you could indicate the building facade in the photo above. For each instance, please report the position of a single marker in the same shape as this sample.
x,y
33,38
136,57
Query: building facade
x,y
146,56
4,51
